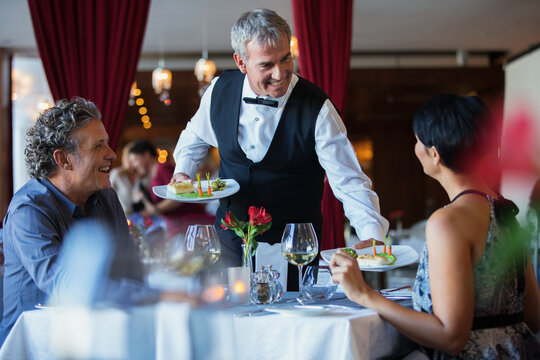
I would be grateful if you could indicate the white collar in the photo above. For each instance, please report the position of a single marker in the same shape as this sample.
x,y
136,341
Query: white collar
x,y
248,92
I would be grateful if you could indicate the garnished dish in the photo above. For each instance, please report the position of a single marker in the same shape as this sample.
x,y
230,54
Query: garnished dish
x,y
379,257
375,259
198,191
187,189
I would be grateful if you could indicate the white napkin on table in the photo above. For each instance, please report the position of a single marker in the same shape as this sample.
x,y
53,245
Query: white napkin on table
x,y
271,255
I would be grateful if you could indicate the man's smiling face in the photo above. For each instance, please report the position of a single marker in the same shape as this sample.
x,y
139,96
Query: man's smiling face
x,y
268,68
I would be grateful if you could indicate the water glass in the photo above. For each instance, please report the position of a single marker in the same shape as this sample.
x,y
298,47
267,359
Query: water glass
x,y
318,284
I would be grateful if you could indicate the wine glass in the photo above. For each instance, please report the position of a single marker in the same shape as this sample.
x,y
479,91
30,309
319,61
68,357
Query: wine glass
x,y
299,246
203,239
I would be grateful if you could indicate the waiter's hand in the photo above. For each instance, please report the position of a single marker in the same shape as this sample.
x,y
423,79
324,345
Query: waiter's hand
x,y
179,177
366,243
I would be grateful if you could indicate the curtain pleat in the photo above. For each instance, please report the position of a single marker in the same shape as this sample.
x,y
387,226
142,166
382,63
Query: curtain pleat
x,y
90,48
323,29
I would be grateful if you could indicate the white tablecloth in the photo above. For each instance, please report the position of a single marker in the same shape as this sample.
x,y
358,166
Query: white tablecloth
x,y
174,331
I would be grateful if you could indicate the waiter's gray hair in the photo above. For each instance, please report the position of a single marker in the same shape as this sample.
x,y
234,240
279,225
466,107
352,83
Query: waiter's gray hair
x,y
261,25
53,130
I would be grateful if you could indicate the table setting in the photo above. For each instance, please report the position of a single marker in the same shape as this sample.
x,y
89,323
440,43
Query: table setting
x,y
244,312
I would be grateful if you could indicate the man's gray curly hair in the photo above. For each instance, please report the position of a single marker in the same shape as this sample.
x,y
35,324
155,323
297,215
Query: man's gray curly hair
x,y
261,25
53,130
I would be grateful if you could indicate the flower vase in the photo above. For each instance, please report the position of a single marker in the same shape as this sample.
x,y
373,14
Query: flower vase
x,y
247,259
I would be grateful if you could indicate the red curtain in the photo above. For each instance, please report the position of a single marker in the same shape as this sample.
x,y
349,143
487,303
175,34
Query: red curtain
x,y
323,29
90,48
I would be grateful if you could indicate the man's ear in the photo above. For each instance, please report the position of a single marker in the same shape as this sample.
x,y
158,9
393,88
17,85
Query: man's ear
x,y
239,60
62,159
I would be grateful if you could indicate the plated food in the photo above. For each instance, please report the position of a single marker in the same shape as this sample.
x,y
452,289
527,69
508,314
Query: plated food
x,y
404,255
376,259
187,191
369,260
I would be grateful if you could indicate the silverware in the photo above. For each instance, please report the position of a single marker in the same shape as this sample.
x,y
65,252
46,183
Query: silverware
x,y
384,291
390,297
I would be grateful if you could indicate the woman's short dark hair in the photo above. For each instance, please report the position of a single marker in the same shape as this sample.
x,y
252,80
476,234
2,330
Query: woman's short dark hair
x,y
459,127
53,130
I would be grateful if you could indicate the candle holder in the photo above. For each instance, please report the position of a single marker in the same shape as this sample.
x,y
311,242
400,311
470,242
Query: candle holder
x,y
239,284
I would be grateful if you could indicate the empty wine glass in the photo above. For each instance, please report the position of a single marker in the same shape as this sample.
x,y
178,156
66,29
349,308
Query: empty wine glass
x,y
203,239
299,246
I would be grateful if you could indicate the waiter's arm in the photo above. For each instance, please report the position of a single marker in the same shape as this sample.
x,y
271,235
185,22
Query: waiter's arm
x,y
195,140
349,183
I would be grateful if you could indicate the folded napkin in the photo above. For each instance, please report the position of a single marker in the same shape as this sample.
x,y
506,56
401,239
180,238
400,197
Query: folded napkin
x,y
271,255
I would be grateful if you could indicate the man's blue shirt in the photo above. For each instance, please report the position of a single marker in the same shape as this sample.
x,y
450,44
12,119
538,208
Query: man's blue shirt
x,y
38,217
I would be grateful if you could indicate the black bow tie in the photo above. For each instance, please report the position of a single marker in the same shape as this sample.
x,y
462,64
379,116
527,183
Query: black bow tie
x,y
261,101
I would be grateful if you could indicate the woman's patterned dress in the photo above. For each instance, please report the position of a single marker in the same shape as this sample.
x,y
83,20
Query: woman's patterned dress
x,y
496,292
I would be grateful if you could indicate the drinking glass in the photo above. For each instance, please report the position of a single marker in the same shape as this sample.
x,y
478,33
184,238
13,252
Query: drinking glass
x,y
318,284
299,246
203,239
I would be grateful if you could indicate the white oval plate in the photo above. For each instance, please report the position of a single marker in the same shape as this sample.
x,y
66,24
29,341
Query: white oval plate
x,y
405,255
232,188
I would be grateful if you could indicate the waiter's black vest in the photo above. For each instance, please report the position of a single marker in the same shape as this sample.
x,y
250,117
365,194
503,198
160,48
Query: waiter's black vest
x,y
288,181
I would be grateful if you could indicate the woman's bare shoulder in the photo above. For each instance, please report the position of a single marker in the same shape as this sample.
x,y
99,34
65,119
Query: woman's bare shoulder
x,y
463,219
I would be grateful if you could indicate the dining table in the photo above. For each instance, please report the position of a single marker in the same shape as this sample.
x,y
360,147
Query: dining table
x,y
326,329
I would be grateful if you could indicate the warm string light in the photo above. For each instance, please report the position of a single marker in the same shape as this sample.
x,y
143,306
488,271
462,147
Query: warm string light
x,y
135,98
162,155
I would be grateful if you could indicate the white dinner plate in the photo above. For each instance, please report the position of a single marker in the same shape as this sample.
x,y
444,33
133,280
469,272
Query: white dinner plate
x,y
232,188
300,310
405,255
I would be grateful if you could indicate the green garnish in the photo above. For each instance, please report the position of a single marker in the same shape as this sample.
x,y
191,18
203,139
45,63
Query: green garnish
x,y
351,252
218,185
391,258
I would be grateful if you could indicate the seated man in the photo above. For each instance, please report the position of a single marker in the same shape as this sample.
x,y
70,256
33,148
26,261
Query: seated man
x,y
68,159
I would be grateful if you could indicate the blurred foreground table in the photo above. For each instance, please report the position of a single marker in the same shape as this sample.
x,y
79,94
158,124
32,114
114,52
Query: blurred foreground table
x,y
175,331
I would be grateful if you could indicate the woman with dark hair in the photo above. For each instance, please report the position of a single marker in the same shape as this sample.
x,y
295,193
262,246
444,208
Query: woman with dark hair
x,y
475,294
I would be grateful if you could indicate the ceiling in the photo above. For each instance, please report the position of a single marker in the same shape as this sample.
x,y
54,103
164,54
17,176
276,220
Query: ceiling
x,y
379,26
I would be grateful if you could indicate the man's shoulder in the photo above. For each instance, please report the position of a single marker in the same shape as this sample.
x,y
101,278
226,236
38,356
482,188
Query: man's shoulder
x,y
33,192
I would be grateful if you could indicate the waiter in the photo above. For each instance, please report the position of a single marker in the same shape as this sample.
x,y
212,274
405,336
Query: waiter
x,y
277,135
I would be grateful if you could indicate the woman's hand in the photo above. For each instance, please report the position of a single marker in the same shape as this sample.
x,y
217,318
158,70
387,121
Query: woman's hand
x,y
345,271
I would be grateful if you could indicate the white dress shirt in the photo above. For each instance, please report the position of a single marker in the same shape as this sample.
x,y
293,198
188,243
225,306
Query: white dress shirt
x,y
257,125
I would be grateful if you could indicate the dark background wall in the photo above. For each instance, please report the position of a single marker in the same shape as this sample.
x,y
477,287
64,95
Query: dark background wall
x,y
380,106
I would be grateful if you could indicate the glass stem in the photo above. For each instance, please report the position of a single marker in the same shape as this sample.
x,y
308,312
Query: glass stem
x,y
300,279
